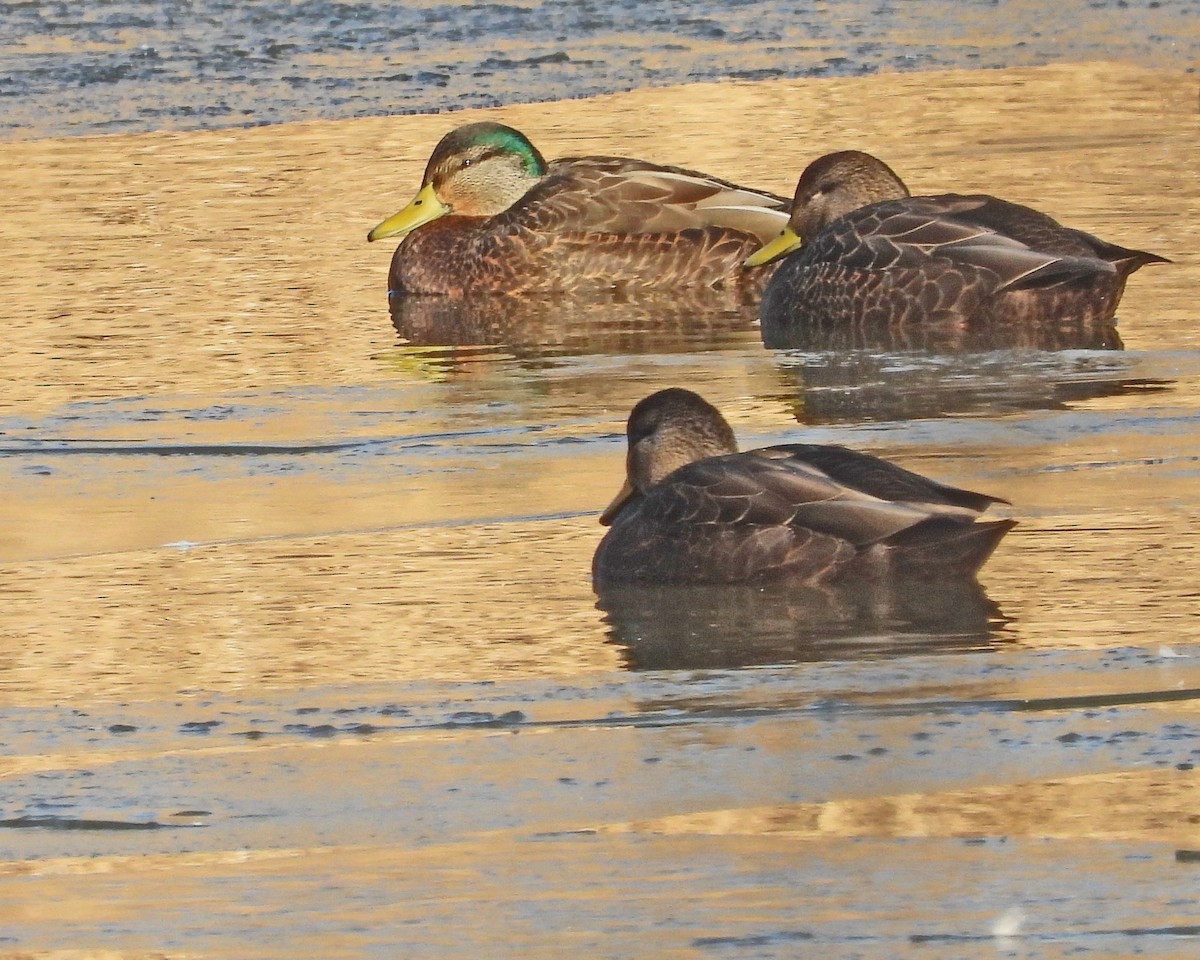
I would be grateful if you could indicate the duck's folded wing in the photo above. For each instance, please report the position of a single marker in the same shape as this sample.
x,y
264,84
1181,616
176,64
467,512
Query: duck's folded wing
x,y
773,488
877,477
964,230
1041,232
621,196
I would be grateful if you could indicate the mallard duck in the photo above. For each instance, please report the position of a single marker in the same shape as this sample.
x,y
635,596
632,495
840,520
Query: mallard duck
x,y
694,510
875,256
493,216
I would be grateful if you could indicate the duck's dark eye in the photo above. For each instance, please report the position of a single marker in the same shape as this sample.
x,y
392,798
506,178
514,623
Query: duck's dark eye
x,y
467,162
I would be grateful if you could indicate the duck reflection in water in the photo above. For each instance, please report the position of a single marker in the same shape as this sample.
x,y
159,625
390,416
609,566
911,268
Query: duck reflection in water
x,y
719,626
855,386
1064,333
878,267
847,533
616,321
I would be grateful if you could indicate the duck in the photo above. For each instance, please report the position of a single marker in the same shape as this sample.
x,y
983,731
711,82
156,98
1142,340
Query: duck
x,y
695,510
493,216
860,251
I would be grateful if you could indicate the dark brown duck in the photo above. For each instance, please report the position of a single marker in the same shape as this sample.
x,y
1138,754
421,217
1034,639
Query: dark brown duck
x,y
694,510
493,216
874,256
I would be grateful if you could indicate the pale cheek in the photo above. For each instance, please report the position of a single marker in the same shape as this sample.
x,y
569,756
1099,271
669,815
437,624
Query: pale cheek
x,y
470,202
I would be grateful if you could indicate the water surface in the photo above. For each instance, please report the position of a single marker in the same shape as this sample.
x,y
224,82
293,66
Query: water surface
x,y
301,654
117,66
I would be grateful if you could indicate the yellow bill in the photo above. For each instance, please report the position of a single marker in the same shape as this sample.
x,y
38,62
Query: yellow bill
x,y
785,243
422,209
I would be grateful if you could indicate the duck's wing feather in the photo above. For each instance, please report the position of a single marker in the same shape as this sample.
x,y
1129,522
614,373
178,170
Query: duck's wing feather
x,y
790,487
965,230
878,477
613,195
1041,232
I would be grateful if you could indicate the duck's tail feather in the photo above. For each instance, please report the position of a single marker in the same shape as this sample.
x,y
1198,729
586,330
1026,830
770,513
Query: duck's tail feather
x,y
941,547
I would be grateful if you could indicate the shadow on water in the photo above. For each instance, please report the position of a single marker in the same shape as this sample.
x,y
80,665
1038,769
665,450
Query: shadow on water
x,y
677,627
864,385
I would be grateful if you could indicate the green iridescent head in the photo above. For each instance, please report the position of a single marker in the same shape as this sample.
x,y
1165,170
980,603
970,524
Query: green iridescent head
x,y
478,170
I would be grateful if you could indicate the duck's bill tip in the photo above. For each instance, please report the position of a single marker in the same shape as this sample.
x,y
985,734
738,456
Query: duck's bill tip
x,y
785,243
422,209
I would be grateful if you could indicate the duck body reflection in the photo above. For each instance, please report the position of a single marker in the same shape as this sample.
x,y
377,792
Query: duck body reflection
x,y
864,255
694,510
724,626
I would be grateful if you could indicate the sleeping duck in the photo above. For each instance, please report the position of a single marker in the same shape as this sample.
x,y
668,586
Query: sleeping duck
x,y
862,252
493,216
695,510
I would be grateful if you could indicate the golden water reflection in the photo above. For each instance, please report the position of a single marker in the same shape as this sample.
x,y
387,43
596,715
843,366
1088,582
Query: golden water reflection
x,y
239,494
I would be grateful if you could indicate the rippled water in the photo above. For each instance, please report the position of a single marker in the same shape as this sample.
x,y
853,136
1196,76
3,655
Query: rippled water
x,y
300,652
113,65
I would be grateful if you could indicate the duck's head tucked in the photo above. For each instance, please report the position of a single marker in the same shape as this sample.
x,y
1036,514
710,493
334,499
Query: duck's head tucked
x,y
477,170
668,430
831,187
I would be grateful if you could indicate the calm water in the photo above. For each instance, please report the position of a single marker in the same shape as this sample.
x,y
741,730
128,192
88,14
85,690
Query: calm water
x,y
301,656
115,66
